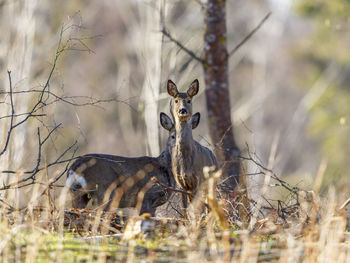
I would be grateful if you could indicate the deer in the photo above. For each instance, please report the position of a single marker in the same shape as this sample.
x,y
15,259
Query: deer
x,y
105,178
188,157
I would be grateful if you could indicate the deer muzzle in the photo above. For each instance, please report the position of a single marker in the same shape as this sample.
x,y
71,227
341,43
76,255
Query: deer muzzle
x,y
75,181
183,114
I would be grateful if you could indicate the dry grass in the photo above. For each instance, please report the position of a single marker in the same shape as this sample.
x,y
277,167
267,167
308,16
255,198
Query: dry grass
x,y
44,230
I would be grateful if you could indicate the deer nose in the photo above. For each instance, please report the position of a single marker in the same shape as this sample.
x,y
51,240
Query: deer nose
x,y
183,111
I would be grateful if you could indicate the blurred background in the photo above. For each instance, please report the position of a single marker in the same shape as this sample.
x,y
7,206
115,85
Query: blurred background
x,y
289,84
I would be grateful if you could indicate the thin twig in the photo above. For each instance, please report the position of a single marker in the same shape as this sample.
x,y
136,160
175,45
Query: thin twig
x,y
181,46
43,100
67,165
172,188
12,117
244,40
284,184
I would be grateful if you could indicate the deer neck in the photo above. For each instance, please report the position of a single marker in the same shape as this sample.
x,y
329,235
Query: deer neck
x,y
184,139
184,145
182,157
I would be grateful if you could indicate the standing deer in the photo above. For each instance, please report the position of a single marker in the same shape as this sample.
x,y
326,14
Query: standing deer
x,y
188,157
104,178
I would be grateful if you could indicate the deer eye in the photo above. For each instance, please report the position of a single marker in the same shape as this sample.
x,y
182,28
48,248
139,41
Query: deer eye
x,y
172,136
176,101
189,101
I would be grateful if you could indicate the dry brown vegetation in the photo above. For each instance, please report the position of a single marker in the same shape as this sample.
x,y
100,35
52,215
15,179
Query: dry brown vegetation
x,y
304,228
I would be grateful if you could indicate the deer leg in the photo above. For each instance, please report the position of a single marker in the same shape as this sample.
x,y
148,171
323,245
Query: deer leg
x,y
184,204
147,207
109,204
107,207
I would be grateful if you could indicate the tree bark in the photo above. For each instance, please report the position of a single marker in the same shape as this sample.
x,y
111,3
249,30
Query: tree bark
x,y
218,96
151,48
20,20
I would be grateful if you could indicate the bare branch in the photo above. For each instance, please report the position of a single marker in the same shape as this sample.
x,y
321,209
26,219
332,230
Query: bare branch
x,y
21,114
172,188
12,117
90,101
244,40
44,98
292,189
39,152
181,46
68,163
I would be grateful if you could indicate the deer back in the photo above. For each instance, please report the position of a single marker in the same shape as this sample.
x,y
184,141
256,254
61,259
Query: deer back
x,y
93,175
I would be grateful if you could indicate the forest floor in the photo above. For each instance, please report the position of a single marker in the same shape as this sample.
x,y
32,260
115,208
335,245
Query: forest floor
x,y
54,235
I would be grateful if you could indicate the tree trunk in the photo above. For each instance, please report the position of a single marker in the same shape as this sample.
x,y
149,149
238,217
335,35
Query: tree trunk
x,y
18,46
218,96
151,43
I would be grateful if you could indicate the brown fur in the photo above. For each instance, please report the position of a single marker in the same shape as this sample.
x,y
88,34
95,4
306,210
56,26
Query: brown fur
x,y
188,157
110,178
128,176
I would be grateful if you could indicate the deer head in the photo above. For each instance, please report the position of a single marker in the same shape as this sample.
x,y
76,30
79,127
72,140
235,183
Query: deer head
x,y
181,103
168,124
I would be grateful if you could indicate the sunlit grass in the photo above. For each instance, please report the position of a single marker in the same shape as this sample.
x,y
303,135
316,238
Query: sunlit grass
x,y
317,235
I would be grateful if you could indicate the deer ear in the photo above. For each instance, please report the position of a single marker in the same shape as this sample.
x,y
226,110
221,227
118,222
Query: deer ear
x,y
166,122
172,89
195,120
193,89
